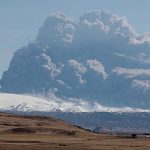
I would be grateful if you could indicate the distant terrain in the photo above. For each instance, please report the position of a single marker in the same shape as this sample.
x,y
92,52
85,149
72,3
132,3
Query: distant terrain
x,y
45,133
108,122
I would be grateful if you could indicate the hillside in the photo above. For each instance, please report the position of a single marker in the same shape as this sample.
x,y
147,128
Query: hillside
x,y
44,133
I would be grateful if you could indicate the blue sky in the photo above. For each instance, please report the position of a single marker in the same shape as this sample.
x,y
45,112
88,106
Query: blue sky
x,y
21,19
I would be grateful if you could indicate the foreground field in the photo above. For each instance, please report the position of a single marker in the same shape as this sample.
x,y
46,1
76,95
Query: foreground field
x,y
45,133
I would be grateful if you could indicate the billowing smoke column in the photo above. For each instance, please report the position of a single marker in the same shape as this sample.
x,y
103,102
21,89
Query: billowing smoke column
x,y
101,57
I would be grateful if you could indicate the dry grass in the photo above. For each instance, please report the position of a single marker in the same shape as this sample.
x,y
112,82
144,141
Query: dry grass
x,y
43,133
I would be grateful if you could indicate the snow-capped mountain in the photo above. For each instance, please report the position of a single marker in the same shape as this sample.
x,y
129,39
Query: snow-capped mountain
x,y
26,103
99,58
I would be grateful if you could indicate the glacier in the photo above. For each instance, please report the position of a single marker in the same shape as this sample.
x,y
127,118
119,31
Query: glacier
x,y
28,103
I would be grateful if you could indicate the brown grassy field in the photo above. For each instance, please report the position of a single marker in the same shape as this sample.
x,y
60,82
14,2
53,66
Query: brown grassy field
x,y
46,133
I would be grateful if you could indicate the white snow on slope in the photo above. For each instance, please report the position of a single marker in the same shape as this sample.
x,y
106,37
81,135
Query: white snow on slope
x,y
26,103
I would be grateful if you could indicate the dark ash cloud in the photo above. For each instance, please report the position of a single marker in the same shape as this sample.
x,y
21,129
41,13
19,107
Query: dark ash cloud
x,y
101,57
